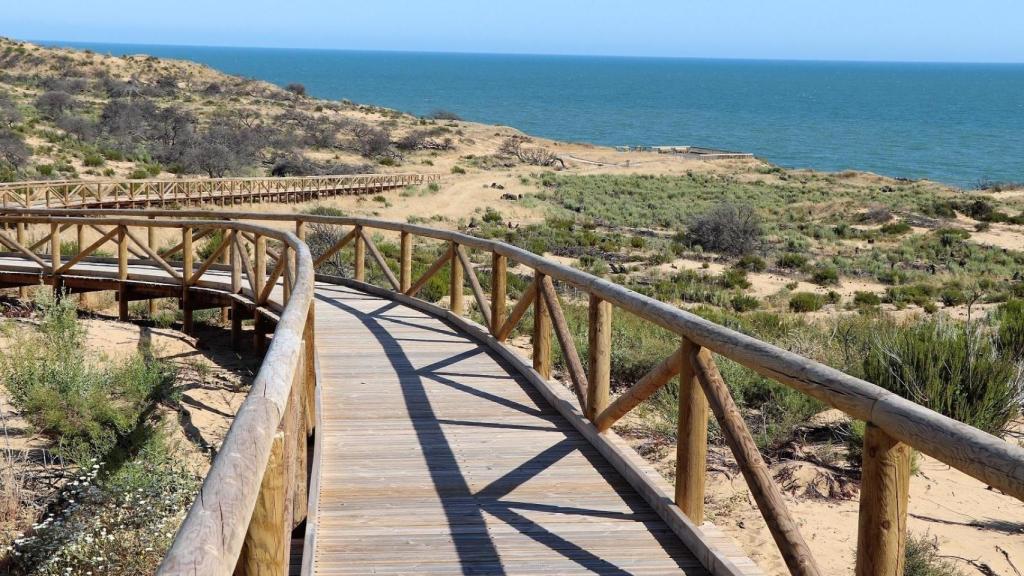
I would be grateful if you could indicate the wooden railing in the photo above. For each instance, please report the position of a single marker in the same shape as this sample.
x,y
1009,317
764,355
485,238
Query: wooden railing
x,y
894,424
191,191
256,490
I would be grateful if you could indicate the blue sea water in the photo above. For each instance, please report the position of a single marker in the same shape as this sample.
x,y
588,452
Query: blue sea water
x,y
955,123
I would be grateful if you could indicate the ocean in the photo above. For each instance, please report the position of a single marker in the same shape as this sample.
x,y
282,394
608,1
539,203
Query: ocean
x,y
954,123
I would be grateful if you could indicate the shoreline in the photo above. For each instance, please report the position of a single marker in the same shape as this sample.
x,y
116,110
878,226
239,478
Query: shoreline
x,y
781,136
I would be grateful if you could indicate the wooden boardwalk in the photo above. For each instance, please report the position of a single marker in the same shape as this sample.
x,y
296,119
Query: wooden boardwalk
x,y
438,457
437,460
439,450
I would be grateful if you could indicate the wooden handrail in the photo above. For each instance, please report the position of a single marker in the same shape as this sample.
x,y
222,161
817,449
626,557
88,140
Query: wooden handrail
x,y
232,506
894,422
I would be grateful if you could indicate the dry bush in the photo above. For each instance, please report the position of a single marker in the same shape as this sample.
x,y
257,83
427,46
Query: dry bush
x,y
729,229
55,103
13,150
373,142
534,156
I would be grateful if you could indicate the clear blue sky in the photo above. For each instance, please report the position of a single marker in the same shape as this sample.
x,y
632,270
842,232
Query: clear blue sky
x,y
913,30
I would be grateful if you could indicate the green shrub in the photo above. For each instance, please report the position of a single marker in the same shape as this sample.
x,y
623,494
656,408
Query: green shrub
x,y
734,278
895,228
951,368
139,174
752,263
951,236
952,295
84,405
210,244
458,170
791,260
45,169
745,303
922,558
94,160
806,302
492,216
862,298
825,275
919,294
1010,328
434,187
324,211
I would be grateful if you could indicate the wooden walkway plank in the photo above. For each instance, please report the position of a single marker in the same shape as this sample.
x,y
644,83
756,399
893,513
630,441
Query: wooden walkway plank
x,y
438,459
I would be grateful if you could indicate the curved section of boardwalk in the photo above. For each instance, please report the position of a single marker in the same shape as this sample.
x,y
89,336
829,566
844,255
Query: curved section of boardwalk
x,y
432,455
438,460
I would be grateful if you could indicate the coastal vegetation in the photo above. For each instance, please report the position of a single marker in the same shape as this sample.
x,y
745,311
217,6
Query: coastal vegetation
x,y
68,114
106,422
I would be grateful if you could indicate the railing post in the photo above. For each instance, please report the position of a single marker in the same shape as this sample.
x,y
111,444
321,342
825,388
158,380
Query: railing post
x,y
265,550
541,330
691,439
405,272
55,247
186,279
455,292
767,495
884,492
599,356
122,273
55,258
236,287
260,271
151,242
360,255
309,365
22,290
499,290
289,260
225,259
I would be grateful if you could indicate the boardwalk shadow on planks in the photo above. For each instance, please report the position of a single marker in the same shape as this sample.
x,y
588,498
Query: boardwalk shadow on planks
x,y
470,515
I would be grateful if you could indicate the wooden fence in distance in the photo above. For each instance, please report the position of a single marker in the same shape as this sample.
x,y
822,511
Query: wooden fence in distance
x,y
194,192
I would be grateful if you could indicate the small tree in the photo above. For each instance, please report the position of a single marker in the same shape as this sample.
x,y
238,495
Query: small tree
x,y
78,126
213,157
374,142
13,150
727,229
124,122
9,113
296,88
55,103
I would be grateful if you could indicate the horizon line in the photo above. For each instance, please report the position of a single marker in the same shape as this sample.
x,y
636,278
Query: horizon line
x,y
70,43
